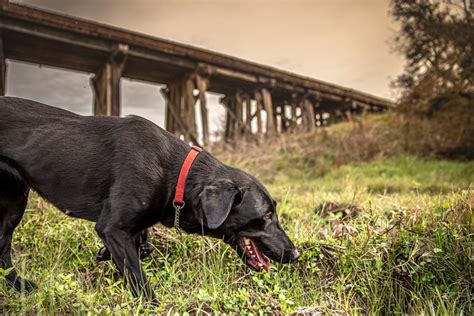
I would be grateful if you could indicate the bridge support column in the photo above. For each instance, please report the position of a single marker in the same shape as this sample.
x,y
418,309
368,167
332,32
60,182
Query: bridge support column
x,y
302,114
188,112
234,124
239,115
285,121
106,83
229,117
202,84
173,122
309,118
258,112
3,67
294,112
248,114
268,107
180,108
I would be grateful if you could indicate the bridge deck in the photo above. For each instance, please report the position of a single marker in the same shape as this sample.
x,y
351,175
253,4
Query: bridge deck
x,y
62,41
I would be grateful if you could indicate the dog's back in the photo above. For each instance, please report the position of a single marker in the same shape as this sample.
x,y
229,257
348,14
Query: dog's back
x,y
68,158
74,160
50,146
21,118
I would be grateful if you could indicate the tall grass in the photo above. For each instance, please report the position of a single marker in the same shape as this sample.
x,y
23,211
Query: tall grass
x,y
385,237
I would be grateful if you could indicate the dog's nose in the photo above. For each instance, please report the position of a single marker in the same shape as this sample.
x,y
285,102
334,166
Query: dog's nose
x,y
295,254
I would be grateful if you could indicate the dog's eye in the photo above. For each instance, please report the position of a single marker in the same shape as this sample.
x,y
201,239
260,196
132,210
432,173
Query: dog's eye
x,y
268,216
237,200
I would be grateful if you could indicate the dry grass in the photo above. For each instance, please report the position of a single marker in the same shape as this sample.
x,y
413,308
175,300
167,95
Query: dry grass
x,y
448,133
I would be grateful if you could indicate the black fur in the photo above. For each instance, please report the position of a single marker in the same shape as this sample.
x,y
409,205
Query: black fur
x,y
121,173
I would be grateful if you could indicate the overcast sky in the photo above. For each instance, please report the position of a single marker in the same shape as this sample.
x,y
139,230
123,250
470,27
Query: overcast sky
x,y
343,42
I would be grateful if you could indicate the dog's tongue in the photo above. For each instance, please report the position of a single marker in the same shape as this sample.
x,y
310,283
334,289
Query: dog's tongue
x,y
255,256
261,258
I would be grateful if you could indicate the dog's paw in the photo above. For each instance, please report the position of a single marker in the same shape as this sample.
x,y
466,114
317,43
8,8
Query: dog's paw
x,y
23,285
145,250
30,286
154,303
102,255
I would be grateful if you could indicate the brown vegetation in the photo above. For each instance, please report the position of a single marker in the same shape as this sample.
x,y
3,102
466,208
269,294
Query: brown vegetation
x,y
445,133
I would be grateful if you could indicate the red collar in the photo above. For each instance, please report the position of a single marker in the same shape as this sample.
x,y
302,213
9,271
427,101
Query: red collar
x,y
183,173
178,201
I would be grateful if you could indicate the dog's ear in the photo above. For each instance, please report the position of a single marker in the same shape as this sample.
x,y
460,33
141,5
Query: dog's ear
x,y
216,201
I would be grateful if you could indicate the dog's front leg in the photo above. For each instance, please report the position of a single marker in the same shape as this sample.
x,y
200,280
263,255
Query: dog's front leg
x,y
143,243
143,246
122,247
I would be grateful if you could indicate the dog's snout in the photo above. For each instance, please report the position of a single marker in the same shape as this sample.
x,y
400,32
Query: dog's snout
x,y
295,254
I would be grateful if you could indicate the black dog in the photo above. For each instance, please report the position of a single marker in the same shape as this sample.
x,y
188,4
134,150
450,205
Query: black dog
x,y
121,173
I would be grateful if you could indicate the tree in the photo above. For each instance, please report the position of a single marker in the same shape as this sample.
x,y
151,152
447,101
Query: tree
x,y
436,37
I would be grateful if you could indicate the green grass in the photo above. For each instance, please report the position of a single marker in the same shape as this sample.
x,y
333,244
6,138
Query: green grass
x,y
405,246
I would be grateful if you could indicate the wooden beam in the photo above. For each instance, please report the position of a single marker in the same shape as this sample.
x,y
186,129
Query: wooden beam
x,y
285,122
275,118
239,113
234,125
248,114
294,112
168,95
3,67
106,83
238,75
189,104
180,108
202,85
102,86
258,112
228,103
177,119
254,115
310,115
53,34
268,107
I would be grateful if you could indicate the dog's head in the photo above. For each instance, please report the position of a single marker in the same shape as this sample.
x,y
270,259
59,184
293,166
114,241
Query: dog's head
x,y
237,206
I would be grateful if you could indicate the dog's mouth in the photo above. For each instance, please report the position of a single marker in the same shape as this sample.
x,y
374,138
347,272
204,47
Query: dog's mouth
x,y
254,258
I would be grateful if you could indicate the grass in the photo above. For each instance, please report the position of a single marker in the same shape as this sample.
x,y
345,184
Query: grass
x,y
386,237
381,232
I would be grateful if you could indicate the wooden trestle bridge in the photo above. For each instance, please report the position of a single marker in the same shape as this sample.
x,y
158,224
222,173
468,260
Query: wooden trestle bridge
x,y
276,100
